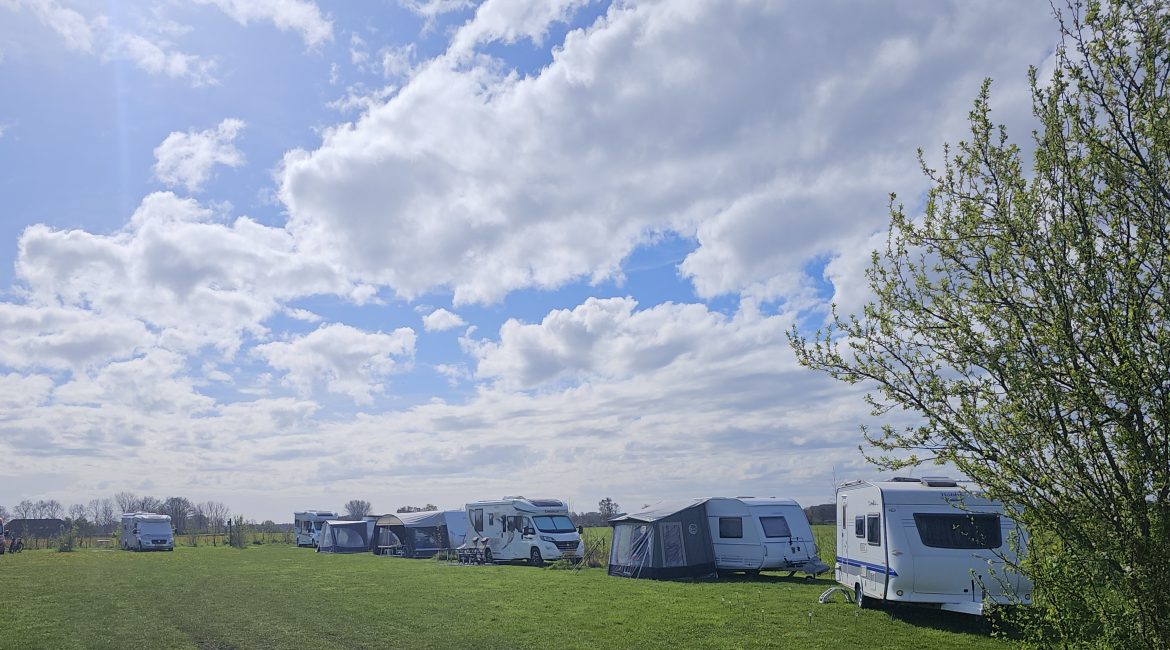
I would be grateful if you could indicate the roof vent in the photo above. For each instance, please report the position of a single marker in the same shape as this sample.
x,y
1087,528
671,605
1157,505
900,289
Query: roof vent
x,y
904,479
939,481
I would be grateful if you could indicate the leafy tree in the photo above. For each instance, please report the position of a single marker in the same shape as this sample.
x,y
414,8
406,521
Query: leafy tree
x,y
1026,318
151,504
179,509
127,501
101,513
608,508
357,508
4,514
48,509
430,507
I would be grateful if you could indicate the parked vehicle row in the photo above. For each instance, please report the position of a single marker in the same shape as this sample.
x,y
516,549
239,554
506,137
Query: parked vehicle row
x,y
929,541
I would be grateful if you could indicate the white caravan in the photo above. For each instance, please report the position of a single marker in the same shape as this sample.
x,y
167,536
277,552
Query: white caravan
x,y
146,531
753,534
928,541
515,528
308,525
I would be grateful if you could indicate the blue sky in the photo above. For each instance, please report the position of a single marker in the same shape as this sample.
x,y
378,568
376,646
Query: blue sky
x,y
283,254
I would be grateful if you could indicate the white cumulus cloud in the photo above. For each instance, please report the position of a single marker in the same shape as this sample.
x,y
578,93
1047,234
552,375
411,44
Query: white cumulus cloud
x,y
441,319
297,15
188,158
477,179
347,360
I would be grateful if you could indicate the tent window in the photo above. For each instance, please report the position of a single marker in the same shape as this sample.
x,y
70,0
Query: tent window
x,y
477,519
859,527
873,530
674,553
959,531
731,527
640,545
775,527
619,555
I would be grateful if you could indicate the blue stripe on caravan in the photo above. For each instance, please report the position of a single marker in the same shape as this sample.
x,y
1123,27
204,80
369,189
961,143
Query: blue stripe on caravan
x,y
866,565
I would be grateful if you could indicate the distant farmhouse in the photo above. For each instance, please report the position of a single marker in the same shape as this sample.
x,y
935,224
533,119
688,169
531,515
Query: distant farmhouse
x,y
35,528
826,513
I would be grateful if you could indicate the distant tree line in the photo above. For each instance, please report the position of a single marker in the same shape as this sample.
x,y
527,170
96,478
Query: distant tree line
x,y
101,516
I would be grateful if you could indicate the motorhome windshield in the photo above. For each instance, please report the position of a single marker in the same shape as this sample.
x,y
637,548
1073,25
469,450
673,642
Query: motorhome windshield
x,y
554,524
317,525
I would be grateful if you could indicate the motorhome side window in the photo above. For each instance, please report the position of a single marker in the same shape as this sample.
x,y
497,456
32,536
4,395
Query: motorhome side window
x,y
959,530
859,527
477,519
731,527
873,529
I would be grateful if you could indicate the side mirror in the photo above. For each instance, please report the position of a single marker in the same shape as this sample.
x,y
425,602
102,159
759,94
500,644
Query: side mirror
x,y
580,530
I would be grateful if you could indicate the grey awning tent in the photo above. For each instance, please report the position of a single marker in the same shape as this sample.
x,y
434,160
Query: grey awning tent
x,y
667,540
344,537
418,534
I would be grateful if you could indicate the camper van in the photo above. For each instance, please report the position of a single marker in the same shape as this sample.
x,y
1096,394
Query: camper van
x,y
147,531
308,525
753,534
516,528
929,541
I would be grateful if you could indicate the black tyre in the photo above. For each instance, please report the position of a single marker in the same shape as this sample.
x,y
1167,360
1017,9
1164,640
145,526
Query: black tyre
x,y
752,573
534,557
860,599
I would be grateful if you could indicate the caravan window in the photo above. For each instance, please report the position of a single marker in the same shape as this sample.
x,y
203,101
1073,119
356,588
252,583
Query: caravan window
x,y
775,527
731,527
859,527
958,530
873,530
477,519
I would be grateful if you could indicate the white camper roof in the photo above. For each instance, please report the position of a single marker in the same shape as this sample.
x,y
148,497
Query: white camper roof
x,y
928,490
328,514
524,504
147,516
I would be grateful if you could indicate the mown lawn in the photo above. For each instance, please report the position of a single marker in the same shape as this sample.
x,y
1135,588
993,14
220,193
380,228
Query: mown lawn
x,y
276,596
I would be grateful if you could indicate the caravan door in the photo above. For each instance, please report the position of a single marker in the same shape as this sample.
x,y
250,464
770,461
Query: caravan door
x,y
874,570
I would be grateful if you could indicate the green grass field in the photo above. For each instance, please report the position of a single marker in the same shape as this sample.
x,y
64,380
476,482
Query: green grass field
x,y
278,596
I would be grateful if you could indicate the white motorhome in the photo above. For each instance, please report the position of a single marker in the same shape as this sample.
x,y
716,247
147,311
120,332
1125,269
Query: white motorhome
x,y
931,541
307,525
147,531
516,528
753,534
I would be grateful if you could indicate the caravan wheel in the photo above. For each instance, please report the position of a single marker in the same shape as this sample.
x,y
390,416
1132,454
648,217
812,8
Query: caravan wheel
x,y
534,558
860,599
